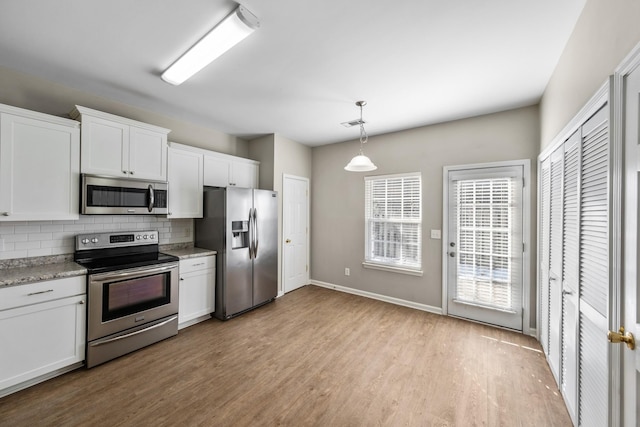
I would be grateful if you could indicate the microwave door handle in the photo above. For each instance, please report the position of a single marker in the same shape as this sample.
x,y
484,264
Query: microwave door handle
x,y
151,198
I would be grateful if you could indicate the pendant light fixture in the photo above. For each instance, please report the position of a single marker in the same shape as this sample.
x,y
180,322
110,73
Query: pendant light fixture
x,y
361,163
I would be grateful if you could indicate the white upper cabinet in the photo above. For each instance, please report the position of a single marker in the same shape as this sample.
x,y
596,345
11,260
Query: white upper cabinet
x,y
221,170
185,183
116,146
39,166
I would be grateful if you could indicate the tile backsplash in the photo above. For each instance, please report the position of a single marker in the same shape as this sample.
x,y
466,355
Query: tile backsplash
x,y
22,239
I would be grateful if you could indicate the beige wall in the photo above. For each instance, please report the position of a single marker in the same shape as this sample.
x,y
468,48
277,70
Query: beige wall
x,y
262,150
33,93
604,34
337,212
290,158
279,156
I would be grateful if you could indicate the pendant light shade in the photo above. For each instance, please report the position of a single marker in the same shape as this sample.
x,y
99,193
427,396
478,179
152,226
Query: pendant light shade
x,y
361,163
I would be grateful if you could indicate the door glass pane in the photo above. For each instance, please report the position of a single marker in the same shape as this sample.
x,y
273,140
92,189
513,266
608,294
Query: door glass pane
x,y
485,227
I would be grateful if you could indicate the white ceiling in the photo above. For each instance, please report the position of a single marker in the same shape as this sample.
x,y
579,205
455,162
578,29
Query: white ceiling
x,y
415,62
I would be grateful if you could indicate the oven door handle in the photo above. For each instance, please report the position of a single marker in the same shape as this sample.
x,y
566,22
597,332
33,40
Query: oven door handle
x,y
121,337
132,272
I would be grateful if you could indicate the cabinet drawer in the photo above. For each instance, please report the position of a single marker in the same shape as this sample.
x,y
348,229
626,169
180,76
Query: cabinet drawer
x,y
34,293
196,264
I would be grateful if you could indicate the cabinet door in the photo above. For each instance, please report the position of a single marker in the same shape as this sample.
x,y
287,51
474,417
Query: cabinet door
x,y
105,147
196,295
217,171
185,184
147,154
244,175
39,165
41,338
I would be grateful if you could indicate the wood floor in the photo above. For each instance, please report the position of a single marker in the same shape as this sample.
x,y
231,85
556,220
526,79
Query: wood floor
x,y
313,357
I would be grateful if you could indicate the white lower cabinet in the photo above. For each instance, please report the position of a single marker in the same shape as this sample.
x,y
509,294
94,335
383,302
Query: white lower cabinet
x,y
197,290
42,331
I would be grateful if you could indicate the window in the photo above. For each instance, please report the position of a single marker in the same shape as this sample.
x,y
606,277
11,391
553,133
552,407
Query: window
x,y
393,221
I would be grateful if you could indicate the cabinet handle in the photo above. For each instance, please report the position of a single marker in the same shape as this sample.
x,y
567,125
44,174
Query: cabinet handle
x,y
81,302
40,292
182,279
124,172
200,263
5,214
131,172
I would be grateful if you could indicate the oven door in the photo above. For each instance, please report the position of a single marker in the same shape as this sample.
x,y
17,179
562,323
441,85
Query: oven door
x,y
113,196
124,299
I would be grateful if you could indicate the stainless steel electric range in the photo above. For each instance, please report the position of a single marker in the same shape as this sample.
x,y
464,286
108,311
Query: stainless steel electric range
x,y
132,292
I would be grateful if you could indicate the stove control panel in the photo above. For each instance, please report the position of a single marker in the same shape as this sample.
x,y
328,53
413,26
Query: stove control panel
x,y
116,239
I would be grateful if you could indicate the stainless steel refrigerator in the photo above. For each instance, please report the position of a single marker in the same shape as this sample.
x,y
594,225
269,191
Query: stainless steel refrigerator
x,y
241,224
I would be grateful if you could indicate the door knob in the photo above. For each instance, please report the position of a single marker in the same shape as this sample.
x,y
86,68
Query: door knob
x,y
620,336
288,241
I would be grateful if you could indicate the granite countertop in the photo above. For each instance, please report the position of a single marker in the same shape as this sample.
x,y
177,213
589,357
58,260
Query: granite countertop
x,y
29,270
184,253
34,273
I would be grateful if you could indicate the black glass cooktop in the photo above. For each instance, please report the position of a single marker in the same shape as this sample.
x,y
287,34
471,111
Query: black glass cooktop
x,y
113,263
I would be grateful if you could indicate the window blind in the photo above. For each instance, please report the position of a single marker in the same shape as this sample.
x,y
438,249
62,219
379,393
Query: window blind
x,y
393,216
486,223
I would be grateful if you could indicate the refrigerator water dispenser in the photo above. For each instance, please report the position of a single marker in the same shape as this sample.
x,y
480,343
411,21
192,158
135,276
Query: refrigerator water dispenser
x,y
239,234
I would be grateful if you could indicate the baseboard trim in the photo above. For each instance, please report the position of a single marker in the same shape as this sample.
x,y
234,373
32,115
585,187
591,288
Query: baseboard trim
x,y
385,298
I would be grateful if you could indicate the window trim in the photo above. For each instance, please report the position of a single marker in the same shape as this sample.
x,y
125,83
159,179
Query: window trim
x,y
371,264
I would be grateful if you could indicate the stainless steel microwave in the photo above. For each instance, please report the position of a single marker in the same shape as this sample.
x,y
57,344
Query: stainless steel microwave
x,y
103,195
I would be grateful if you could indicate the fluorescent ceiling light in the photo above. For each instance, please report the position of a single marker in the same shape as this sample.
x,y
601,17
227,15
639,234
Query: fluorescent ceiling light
x,y
232,30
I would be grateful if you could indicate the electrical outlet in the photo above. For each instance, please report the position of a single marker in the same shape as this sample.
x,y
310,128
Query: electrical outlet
x,y
347,272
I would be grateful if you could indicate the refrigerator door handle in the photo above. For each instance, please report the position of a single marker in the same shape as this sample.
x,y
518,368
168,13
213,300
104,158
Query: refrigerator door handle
x,y
251,233
255,236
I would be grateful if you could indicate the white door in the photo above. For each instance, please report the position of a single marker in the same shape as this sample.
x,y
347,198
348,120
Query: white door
x,y
295,226
485,246
570,274
544,212
631,317
594,271
555,261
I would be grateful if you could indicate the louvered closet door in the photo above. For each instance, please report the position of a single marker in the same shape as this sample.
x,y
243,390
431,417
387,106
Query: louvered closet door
x,y
555,260
484,280
594,285
543,253
570,274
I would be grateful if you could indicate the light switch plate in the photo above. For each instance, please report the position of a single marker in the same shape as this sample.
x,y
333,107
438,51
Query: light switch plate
x,y
436,234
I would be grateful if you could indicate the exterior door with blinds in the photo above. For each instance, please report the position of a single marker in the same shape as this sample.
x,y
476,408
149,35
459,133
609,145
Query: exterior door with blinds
x,y
485,246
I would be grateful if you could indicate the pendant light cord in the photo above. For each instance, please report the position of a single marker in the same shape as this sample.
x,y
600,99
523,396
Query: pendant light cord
x,y
363,134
